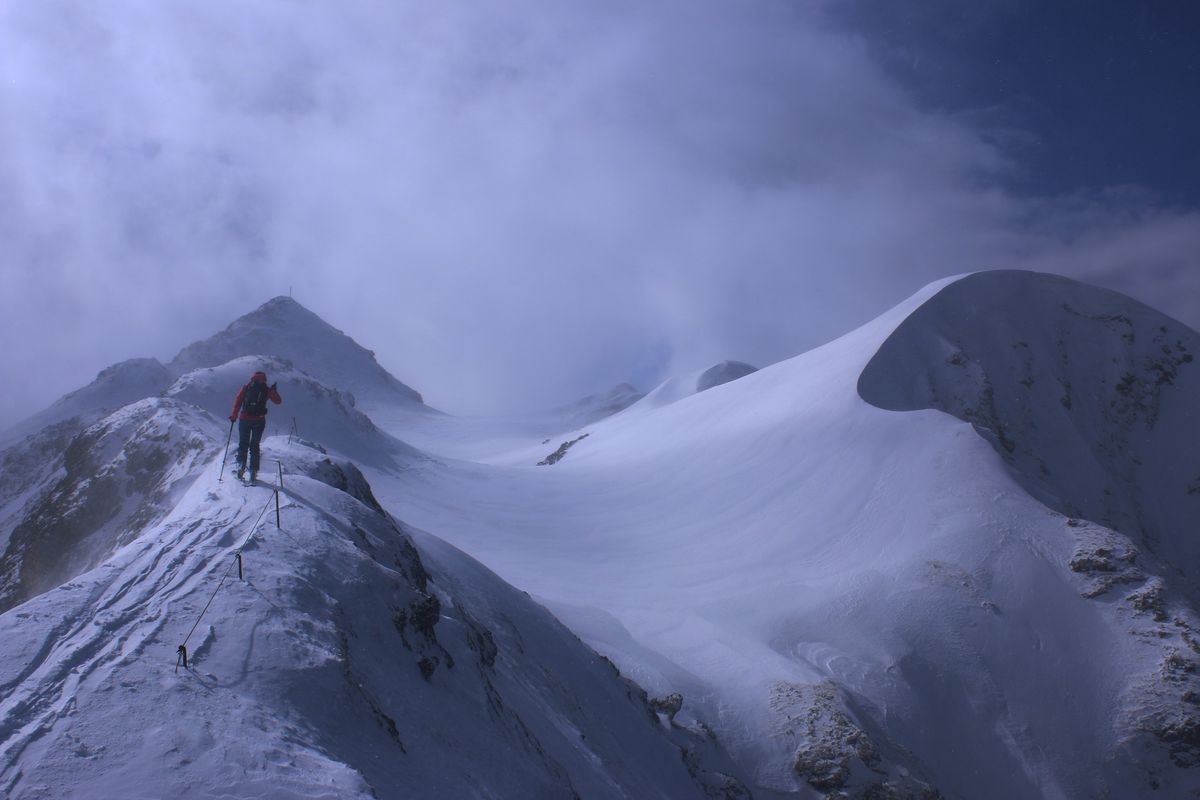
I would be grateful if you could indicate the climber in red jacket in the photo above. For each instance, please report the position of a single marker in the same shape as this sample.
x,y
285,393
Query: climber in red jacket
x,y
250,412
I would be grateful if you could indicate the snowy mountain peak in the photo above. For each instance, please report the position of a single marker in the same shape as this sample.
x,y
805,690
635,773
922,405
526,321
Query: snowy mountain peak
x,y
310,410
283,327
1088,394
595,407
115,386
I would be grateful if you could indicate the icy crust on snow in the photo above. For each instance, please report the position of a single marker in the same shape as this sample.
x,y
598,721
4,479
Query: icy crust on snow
x,y
115,387
110,481
283,328
314,410
1089,395
345,664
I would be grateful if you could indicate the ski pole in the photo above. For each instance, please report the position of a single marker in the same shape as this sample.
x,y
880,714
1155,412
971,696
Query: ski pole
x,y
228,439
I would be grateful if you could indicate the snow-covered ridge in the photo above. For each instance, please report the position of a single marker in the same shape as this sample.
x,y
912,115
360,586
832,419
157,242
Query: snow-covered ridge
x,y
282,327
112,480
595,407
1091,396
116,386
858,600
311,408
345,664
677,387
854,600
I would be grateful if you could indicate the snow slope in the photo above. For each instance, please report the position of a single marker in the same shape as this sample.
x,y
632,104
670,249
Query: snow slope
x,y
344,664
1090,396
815,574
857,599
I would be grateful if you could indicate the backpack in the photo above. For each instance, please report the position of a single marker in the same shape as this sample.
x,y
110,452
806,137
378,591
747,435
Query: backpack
x,y
255,402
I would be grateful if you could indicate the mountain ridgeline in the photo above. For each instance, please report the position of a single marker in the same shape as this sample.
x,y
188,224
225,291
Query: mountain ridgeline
x,y
1090,396
952,554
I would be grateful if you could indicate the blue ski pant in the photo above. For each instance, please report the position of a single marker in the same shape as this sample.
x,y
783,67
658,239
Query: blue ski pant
x,y
250,433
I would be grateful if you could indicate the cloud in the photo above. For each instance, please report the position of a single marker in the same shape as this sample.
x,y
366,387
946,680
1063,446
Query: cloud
x,y
512,204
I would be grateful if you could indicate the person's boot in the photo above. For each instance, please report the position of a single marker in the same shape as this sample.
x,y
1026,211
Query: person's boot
x,y
253,476
241,471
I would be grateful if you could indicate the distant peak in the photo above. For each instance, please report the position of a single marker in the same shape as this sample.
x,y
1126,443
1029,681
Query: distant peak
x,y
723,372
283,303
281,300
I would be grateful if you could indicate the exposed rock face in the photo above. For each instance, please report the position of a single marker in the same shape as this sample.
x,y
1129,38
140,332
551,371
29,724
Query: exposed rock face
x,y
118,476
311,460
1089,395
834,754
721,373
284,328
558,454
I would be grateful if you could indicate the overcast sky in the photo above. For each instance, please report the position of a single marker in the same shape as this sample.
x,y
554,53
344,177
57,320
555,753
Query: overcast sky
x,y
517,203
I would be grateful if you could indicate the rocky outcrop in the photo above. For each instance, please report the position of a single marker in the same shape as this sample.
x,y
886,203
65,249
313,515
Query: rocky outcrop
x,y
118,476
834,755
558,454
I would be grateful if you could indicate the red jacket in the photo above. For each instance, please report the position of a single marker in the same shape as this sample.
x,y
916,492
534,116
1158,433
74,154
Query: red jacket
x,y
272,395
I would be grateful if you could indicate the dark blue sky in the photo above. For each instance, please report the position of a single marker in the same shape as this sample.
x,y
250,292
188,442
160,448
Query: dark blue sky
x,y
1083,95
